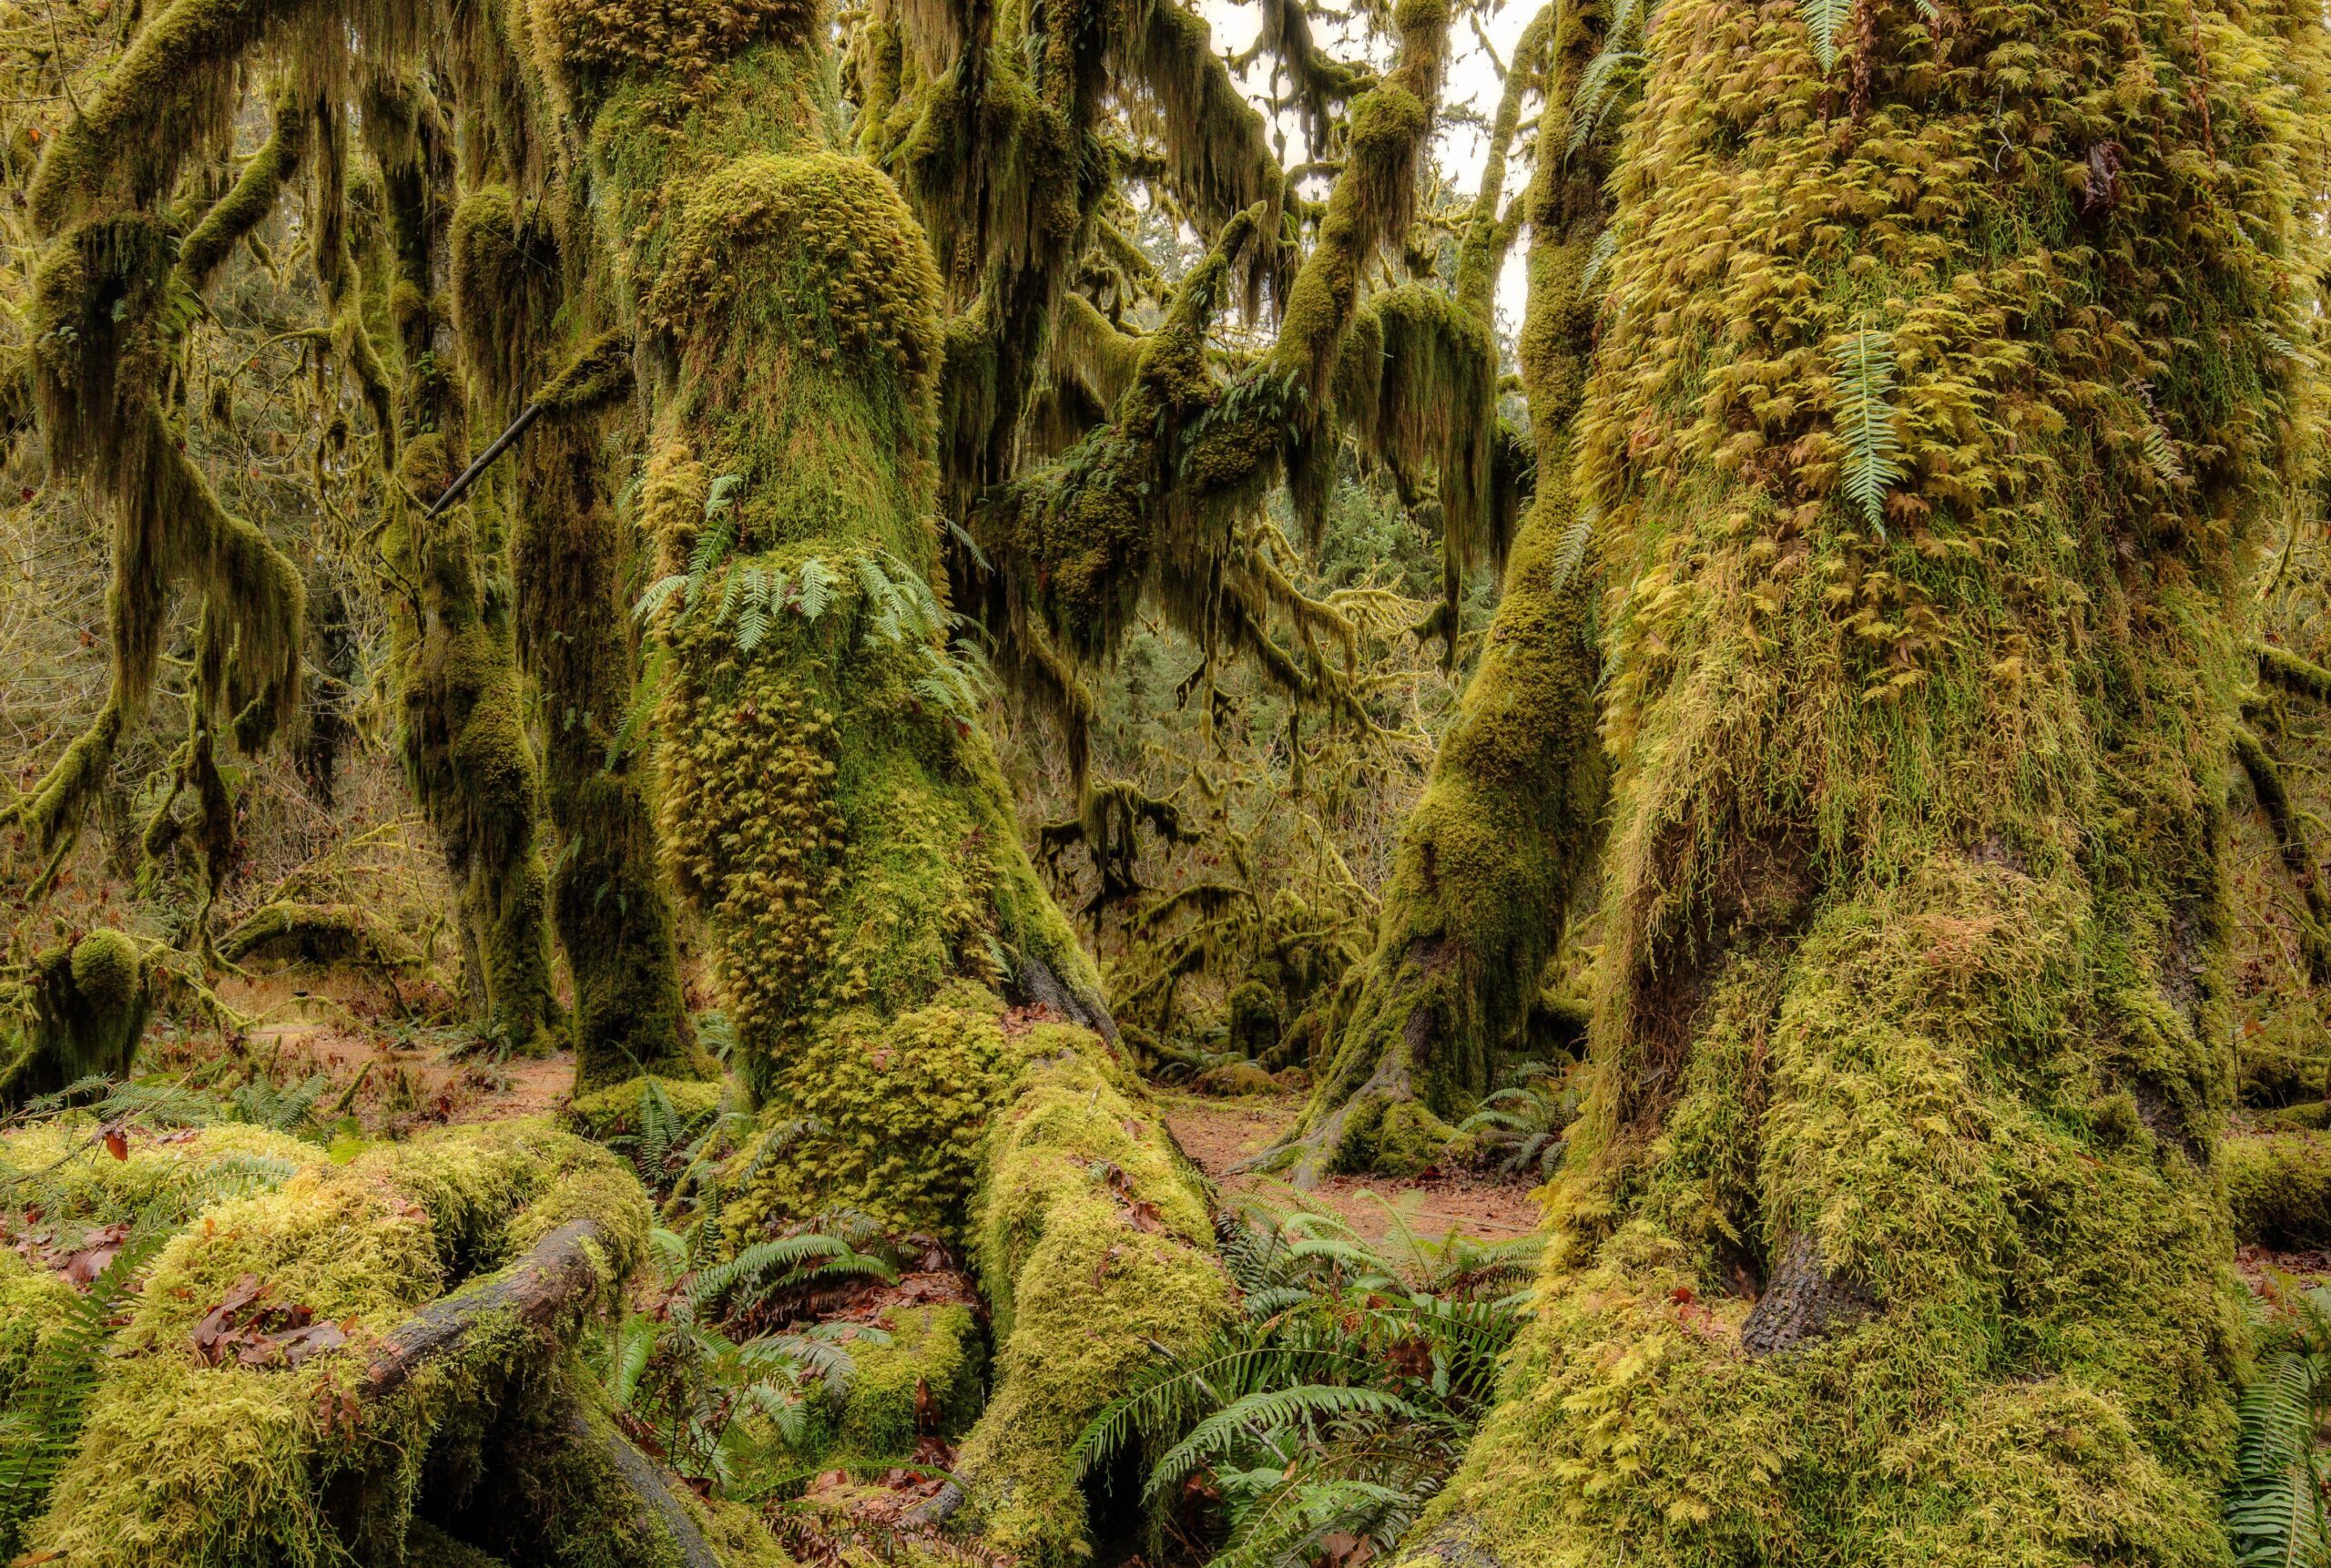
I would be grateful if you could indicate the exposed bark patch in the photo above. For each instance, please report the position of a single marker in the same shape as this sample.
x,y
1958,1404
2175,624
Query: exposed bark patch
x,y
1804,1301
2167,1120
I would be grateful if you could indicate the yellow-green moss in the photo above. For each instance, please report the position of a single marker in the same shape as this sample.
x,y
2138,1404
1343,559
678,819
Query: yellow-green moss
x,y
935,1353
199,1166
615,1112
186,1464
1093,1246
2278,1186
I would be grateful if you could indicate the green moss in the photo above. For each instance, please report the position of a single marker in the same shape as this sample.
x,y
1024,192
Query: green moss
x,y
182,1463
611,1112
935,1359
1093,1246
200,1166
2279,1187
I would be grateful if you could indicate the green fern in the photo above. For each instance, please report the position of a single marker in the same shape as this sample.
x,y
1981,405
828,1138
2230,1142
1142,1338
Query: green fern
x,y
45,1416
1824,20
1263,1415
2161,454
1570,550
2275,1514
1606,250
1863,366
817,589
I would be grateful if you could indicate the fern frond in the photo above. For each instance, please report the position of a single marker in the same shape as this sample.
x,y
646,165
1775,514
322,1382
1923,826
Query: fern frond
x,y
1824,20
659,593
1862,365
52,1401
1255,1417
2161,453
818,584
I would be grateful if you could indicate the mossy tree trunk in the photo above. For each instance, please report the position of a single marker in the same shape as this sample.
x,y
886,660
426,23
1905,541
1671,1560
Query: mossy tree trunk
x,y
517,280
1487,861
462,733
1890,1233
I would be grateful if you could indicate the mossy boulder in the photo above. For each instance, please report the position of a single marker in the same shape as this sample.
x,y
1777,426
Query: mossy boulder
x,y
613,1113
278,1457
1233,1078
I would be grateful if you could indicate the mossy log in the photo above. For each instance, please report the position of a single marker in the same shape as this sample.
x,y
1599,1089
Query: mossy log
x,y
260,1449
1891,1231
317,934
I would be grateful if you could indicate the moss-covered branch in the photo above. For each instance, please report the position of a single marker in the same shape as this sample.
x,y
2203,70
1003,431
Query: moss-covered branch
x,y
2300,676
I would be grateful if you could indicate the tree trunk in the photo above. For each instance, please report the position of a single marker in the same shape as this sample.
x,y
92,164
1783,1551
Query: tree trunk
x,y
463,736
1483,874
612,912
1890,1233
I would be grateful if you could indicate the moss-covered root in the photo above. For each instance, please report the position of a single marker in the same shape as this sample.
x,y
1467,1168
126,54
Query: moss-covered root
x,y
290,1448
1094,1248
2278,1186
91,1001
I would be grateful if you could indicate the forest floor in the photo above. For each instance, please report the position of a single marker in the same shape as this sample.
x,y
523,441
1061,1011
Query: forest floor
x,y
347,1028
1219,1134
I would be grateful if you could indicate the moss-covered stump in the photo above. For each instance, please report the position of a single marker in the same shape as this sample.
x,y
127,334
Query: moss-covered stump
x,y
311,1368
2279,1187
1094,1245
90,1001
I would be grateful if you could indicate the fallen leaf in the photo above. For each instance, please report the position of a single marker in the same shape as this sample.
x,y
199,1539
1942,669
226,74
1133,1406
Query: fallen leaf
x,y
98,1248
116,1143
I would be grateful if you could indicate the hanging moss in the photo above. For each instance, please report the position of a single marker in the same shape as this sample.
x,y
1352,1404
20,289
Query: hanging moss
x,y
465,750
611,910
1891,1231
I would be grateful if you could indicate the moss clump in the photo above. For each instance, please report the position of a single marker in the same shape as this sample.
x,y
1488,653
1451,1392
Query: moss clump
x,y
613,1113
1094,1246
200,1166
2278,1186
883,1116
91,1001
927,1378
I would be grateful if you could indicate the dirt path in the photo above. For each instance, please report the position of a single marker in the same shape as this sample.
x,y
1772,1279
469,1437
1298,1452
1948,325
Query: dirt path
x,y
1217,1133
